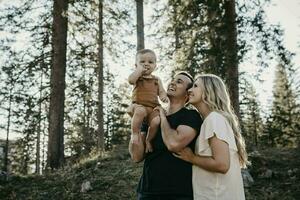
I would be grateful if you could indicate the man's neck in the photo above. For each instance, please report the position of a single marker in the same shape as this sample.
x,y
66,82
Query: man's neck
x,y
175,105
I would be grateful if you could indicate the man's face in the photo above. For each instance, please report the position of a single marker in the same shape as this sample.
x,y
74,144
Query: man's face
x,y
178,86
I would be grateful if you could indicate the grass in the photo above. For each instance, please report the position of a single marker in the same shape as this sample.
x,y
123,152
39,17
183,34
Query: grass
x,y
115,177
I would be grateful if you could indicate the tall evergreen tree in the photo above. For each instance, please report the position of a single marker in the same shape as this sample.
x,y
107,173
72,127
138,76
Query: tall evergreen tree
x,y
100,129
251,120
231,53
284,112
58,70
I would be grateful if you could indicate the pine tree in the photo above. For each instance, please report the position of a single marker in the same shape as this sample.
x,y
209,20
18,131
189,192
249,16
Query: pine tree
x,y
100,79
57,98
251,120
284,126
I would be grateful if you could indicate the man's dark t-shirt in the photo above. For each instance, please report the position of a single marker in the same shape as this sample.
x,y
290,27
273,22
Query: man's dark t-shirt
x,y
163,173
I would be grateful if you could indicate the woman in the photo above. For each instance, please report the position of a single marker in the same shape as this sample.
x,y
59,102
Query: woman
x,y
220,149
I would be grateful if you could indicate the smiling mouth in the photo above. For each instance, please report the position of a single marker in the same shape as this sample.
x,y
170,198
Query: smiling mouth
x,y
171,89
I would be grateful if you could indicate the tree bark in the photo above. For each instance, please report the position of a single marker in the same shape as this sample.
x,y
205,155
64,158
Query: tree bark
x,y
231,55
38,136
140,24
100,80
57,82
5,166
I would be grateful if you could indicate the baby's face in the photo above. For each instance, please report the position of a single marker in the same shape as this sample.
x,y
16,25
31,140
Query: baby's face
x,y
148,61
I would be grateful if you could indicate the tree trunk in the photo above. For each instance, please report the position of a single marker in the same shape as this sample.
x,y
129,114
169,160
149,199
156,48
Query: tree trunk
x,y
57,82
38,136
212,20
100,130
231,55
5,167
140,24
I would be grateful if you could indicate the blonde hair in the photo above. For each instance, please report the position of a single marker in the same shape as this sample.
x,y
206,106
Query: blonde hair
x,y
216,96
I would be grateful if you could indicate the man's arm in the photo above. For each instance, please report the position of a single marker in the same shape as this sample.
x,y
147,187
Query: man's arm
x,y
137,150
175,140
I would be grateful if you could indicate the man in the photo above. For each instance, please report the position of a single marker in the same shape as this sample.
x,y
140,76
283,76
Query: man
x,y
165,176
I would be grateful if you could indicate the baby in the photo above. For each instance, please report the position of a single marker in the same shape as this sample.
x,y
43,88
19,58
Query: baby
x,y
147,88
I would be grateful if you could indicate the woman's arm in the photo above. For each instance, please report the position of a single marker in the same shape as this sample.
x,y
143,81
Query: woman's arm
x,y
218,162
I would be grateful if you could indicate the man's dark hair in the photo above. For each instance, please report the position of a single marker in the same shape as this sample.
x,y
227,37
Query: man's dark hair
x,y
187,75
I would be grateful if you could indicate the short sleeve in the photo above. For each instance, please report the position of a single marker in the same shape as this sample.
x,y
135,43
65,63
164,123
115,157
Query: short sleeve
x,y
192,119
217,125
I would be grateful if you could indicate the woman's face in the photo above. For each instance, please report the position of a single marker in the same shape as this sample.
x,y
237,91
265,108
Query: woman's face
x,y
196,92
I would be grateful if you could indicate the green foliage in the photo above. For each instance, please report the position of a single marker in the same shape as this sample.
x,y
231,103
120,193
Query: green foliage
x,y
117,124
251,120
28,70
26,73
284,118
196,35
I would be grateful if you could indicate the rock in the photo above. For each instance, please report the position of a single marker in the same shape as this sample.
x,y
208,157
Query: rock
x,y
121,183
267,174
3,176
86,186
247,178
254,154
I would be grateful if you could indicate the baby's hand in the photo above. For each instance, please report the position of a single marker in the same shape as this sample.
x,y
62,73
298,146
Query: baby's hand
x,y
164,99
141,68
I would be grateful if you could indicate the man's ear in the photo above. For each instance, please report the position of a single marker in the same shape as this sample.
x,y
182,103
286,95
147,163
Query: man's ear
x,y
186,98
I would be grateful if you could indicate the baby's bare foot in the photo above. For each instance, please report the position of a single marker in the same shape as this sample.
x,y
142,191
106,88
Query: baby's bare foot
x,y
149,147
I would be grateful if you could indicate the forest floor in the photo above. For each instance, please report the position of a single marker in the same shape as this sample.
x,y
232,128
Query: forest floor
x,y
275,172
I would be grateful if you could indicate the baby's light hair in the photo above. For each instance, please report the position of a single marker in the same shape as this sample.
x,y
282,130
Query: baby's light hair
x,y
144,51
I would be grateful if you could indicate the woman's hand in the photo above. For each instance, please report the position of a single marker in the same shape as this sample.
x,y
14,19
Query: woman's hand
x,y
185,154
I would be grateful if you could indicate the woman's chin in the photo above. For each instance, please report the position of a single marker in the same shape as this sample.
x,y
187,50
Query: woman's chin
x,y
191,102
